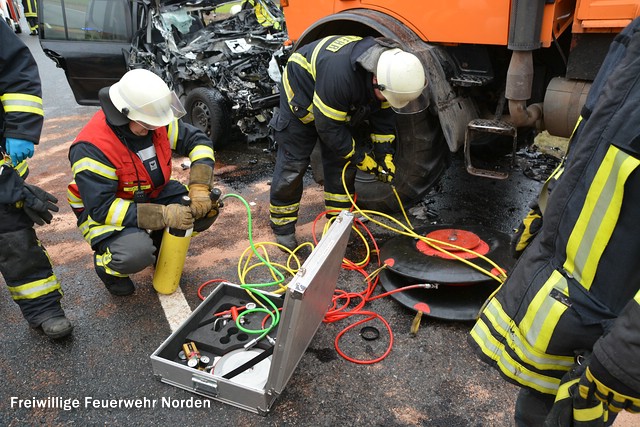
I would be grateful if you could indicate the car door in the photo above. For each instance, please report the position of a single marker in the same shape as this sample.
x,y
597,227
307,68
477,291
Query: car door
x,y
89,40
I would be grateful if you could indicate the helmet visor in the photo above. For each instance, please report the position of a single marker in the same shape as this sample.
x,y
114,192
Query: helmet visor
x,y
407,102
155,114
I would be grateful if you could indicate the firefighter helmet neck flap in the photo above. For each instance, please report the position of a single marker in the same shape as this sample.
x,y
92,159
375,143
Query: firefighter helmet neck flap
x,y
401,79
143,97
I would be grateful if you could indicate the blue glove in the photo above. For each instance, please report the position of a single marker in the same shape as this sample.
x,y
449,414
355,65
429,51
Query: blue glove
x,y
19,149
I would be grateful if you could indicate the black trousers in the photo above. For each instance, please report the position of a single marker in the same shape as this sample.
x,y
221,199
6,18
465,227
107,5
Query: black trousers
x,y
296,141
26,268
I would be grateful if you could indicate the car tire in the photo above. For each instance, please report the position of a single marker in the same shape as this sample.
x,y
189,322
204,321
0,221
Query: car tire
x,y
206,109
421,157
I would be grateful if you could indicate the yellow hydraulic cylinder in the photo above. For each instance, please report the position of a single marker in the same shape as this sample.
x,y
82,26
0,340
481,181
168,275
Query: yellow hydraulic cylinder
x,y
171,258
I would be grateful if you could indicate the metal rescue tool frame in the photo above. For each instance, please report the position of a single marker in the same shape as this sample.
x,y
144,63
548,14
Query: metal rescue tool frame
x,y
306,301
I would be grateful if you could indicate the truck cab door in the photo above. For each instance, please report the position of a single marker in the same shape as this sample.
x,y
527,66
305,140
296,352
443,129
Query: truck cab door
x,y
88,39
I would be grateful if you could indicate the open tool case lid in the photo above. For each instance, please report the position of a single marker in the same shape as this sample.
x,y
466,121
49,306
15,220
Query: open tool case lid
x,y
308,298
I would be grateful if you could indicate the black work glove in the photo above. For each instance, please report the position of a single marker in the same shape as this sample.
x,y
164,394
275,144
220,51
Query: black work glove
x,y
570,408
38,204
596,382
526,231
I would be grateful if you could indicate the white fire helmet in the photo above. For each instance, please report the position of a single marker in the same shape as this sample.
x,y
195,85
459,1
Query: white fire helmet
x,y
145,98
401,78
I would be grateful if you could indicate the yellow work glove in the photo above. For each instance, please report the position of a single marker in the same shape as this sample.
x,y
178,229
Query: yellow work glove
x,y
386,169
526,231
200,182
368,164
152,216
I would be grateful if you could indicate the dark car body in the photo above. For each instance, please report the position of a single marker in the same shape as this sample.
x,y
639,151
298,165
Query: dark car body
x,y
223,63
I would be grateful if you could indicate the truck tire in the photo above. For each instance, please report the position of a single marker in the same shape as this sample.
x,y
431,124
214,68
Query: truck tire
x,y
421,157
206,109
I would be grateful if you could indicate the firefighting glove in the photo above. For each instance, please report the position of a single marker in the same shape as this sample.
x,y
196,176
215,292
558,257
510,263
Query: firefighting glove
x,y
200,182
365,162
386,168
526,231
597,382
570,408
19,149
38,204
152,216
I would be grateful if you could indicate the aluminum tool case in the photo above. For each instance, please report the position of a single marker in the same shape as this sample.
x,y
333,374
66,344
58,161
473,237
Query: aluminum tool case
x,y
306,300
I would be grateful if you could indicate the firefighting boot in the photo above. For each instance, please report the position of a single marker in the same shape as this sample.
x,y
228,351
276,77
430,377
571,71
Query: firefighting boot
x,y
57,327
287,240
120,286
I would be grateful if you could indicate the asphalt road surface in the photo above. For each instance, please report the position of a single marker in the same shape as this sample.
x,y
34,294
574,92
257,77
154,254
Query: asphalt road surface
x,y
430,379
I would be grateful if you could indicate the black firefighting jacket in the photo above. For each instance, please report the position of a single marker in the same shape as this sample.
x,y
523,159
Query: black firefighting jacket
x,y
324,83
21,115
577,286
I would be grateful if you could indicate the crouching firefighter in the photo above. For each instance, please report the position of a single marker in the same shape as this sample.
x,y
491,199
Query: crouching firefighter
x,y
121,192
565,326
24,262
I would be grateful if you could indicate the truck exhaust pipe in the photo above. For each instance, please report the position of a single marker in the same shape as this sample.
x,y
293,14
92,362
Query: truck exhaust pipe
x,y
524,36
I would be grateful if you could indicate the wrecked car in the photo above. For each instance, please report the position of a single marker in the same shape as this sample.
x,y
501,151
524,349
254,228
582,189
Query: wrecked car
x,y
223,59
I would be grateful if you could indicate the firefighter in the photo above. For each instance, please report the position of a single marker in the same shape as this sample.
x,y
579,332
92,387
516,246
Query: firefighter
x,y
342,92
565,326
121,192
31,14
24,262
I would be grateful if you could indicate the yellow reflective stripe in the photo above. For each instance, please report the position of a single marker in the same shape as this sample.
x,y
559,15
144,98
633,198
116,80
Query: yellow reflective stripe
x,y
382,138
172,133
91,229
135,188
22,103
74,201
563,390
283,221
308,118
22,168
300,60
91,165
507,328
35,289
103,261
544,312
637,297
599,215
512,369
117,211
335,197
200,152
332,113
385,104
288,209
588,414
314,55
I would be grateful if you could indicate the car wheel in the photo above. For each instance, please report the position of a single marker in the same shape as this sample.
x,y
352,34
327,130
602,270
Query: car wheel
x,y
206,109
420,159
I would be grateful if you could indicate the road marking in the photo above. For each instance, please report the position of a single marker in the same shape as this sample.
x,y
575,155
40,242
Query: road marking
x,y
176,309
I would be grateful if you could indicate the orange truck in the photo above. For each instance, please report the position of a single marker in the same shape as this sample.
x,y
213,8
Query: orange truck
x,y
498,72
